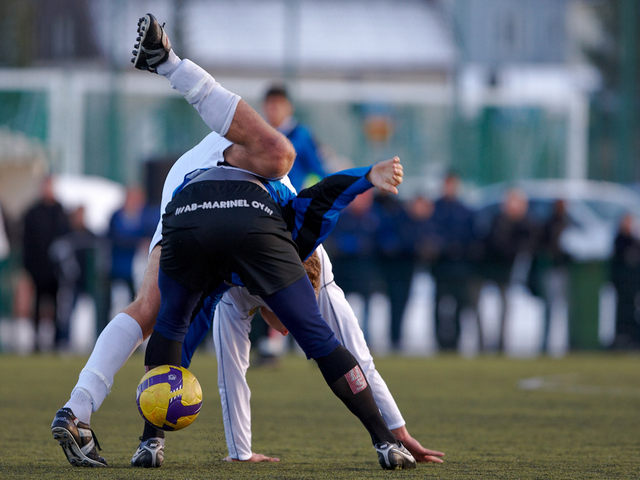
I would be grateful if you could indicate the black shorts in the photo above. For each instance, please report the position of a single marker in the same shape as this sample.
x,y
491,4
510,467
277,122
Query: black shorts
x,y
214,230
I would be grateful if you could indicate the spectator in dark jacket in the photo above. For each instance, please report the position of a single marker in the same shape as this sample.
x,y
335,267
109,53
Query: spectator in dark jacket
x,y
510,245
44,222
72,253
625,276
451,269
549,273
426,238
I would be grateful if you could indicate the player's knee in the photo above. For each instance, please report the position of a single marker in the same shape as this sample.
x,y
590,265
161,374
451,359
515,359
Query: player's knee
x,y
145,312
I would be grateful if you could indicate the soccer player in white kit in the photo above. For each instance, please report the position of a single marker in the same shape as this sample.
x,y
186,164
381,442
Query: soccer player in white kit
x,y
231,327
221,110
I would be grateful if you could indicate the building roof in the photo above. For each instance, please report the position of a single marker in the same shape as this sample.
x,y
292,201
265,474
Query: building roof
x,y
294,36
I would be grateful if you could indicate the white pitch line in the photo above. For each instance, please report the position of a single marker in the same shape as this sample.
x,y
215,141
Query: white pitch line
x,y
561,383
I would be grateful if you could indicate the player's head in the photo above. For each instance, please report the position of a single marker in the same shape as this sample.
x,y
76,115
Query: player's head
x,y
451,185
277,106
515,204
626,224
135,198
47,193
421,208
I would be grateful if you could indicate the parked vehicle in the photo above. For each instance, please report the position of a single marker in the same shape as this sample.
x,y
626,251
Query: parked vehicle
x,y
594,208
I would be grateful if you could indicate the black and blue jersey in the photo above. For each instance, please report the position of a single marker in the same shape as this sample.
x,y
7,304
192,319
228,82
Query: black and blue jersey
x,y
310,216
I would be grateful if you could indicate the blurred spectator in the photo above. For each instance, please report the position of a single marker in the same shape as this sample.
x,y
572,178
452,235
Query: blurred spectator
x,y
426,239
72,253
44,222
128,230
308,167
352,249
625,276
549,273
5,249
451,269
394,255
509,249
4,238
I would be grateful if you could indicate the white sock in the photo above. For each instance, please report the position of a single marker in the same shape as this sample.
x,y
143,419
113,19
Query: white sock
x,y
81,405
215,104
169,66
116,343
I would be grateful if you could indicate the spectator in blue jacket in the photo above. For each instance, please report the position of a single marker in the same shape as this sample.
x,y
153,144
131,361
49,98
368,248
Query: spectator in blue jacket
x,y
129,228
352,247
278,110
395,258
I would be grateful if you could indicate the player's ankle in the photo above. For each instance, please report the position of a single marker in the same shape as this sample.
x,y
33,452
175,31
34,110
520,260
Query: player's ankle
x,y
169,65
81,405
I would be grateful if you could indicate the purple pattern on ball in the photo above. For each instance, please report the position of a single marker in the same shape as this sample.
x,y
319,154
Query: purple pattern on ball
x,y
174,383
175,410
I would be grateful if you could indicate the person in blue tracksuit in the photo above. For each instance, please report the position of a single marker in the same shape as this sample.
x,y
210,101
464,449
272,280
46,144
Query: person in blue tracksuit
x,y
308,167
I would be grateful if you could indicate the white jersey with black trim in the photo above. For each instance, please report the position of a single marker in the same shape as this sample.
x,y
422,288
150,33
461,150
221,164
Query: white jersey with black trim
x,y
231,327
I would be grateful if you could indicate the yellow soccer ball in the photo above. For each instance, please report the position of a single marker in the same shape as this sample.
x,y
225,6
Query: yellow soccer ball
x,y
169,397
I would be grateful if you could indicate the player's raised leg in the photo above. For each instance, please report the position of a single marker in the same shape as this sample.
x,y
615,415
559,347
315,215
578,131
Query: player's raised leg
x,y
257,147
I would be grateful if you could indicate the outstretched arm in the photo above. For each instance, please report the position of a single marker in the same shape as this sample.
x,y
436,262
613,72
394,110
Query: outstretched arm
x,y
314,212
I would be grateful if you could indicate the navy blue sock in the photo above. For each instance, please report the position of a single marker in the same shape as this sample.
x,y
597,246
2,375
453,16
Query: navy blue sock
x,y
346,379
297,308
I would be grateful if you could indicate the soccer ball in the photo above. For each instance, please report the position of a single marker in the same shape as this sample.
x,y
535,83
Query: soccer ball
x,y
169,397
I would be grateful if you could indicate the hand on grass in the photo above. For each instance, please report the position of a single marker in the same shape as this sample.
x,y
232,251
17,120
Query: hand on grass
x,y
255,458
421,454
386,175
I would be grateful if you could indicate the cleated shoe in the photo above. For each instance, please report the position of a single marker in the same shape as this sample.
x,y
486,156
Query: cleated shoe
x,y
153,45
394,456
77,440
150,453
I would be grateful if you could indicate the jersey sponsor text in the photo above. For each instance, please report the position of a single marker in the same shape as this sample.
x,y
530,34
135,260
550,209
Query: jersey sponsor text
x,y
237,203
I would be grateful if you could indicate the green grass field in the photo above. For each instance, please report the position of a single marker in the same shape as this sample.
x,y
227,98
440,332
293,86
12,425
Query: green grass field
x,y
579,420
